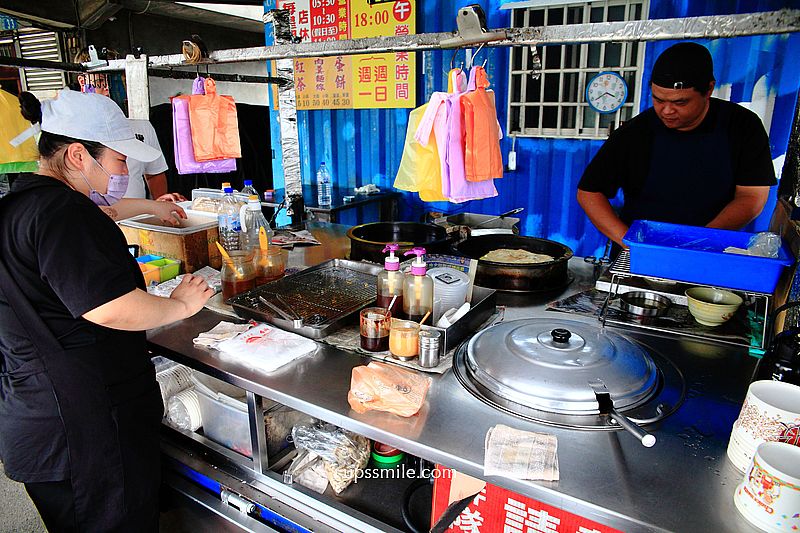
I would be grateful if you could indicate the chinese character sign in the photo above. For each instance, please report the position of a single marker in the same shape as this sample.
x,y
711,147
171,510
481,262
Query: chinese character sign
x,y
363,81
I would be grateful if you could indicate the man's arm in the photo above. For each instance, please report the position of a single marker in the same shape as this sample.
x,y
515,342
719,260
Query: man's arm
x,y
157,183
746,205
602,215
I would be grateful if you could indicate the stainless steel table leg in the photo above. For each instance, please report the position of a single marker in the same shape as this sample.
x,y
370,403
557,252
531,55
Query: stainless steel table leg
x,y
258,432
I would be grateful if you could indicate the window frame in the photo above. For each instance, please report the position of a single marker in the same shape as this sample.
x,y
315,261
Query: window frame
x,y
584,74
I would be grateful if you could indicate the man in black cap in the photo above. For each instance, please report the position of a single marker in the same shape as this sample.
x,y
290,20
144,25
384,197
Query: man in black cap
x,y
690,159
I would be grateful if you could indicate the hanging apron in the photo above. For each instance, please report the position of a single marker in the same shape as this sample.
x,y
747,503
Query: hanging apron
x,y
110,431
687,182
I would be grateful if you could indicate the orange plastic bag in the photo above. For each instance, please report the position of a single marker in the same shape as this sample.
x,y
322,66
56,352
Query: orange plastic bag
x,y
482,158
215,125
381,387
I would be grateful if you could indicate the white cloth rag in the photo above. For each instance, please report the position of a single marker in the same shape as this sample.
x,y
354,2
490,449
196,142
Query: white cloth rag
x,y
266,348
220,332
520,454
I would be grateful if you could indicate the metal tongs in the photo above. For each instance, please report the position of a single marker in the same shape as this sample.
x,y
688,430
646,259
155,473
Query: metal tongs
x,y
503,215
607,409
293,317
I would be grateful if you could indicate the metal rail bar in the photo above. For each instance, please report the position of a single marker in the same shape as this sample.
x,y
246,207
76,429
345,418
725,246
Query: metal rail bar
x,y
717,26
42,64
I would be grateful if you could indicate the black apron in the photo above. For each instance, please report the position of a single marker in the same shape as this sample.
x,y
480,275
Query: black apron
x,y
690,179
110,432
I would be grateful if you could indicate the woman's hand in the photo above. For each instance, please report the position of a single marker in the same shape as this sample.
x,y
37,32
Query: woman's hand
x,y
110,211
171,197
168,212
193,292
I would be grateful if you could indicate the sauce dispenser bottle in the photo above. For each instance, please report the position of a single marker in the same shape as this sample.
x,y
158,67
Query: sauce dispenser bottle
x,y
417,288
390,282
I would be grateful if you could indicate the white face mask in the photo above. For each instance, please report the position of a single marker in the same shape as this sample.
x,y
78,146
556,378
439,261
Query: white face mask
x,y
117,186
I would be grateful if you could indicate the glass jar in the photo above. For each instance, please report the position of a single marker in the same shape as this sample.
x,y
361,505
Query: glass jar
x,y
403,339
238,275
270,264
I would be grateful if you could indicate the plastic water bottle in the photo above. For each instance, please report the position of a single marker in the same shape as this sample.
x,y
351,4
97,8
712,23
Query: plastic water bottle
x,y
228,221
323,185
248,188
252,220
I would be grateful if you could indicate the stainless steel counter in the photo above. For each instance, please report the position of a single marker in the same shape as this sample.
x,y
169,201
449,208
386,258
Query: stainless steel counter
x,y
684,483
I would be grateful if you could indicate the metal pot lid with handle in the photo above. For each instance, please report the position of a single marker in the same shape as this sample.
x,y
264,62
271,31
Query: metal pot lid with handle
x,y
557,365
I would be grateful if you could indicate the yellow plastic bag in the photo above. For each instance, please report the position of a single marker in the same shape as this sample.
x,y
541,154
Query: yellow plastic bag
x,y
11,125
215,125
420,169
382,387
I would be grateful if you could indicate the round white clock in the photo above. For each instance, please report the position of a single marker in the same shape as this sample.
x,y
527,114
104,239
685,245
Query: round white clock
x,y
606,92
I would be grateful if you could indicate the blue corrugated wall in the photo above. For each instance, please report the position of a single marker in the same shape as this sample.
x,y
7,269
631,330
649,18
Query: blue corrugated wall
x,y
365,146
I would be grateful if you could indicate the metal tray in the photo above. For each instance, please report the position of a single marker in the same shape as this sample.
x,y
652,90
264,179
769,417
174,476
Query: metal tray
x,y
324,297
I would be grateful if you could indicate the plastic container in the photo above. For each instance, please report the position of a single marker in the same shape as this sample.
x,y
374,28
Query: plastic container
x,y
417,288
167,268
390,282
324,186
223,408
248,189
151,274
252,219
228,222
695,255
193,242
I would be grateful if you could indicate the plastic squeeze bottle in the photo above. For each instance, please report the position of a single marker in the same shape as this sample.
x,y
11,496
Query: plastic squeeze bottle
x,y
390,281
229,222
417,288
251,220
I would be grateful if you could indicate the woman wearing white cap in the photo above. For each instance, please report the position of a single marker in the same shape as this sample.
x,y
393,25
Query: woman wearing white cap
x,y
79,405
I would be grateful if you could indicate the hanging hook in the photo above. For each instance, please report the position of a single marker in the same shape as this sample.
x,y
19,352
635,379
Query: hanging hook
x,y
197,68
478,51
453,59
207,74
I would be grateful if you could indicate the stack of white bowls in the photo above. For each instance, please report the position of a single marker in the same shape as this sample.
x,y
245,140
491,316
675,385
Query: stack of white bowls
x,y
770,413
449,290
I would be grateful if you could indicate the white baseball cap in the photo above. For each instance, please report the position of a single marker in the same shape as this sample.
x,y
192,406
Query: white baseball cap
x,y
97,118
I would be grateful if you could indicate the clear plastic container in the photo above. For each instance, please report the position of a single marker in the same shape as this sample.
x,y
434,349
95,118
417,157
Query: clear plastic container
x,y
252,220
228,222
248,188
223,408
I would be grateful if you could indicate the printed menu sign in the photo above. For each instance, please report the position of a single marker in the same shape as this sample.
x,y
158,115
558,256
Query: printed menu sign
x,y
353,82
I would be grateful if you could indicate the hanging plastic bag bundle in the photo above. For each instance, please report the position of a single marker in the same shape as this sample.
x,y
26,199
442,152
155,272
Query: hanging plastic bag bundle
x,y
419,167
482,156
185,161
215,125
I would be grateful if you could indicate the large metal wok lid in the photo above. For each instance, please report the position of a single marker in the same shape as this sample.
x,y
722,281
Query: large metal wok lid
x,y
557,365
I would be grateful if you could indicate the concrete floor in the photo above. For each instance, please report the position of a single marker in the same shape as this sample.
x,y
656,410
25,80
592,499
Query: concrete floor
x,y
18,514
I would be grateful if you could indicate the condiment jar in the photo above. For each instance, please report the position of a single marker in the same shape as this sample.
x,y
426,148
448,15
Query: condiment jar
x,y
240,276
429,345
270,264
403,339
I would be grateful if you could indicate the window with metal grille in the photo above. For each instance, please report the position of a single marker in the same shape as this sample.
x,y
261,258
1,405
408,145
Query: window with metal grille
x,y
554,105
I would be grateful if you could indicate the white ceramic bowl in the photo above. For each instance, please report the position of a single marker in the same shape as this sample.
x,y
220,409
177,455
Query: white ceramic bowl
x,y
769,496
712,307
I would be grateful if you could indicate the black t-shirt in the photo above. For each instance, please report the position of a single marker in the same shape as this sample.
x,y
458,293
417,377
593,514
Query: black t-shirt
x,y
68,257
695,177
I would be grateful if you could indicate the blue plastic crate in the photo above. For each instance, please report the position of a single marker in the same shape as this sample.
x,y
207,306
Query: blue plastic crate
x,y
695,255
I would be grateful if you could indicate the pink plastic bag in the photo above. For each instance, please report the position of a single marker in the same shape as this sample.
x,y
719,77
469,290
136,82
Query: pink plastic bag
x,y
185,162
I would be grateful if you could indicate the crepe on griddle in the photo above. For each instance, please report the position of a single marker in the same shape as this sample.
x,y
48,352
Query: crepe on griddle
x,y
516,255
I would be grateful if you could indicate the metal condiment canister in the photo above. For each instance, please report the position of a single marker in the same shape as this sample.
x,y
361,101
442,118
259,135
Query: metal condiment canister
x,y
429,345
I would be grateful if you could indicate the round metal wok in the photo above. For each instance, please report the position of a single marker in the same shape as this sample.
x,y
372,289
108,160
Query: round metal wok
x,y
518,277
